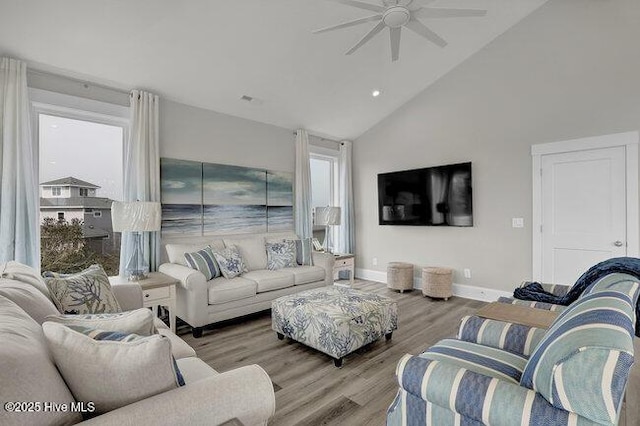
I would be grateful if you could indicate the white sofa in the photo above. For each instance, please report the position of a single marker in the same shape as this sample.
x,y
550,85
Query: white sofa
x,y
28,372
200,303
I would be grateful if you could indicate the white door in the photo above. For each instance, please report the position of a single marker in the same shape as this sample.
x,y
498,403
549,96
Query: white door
x,y
583,211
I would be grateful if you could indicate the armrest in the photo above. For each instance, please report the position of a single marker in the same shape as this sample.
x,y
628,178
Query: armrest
x,y
517,338
244,393
326,260
192,298
481,398
189,278
129,296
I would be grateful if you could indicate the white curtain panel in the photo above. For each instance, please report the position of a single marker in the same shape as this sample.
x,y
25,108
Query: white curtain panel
x,y
302,187
346,231
19,204
142,170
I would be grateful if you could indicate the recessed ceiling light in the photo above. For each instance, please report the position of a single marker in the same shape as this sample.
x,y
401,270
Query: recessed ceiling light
x,y
375,93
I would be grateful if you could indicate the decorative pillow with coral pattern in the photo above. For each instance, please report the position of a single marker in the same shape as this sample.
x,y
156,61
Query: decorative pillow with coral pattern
x,y
87,292
230,261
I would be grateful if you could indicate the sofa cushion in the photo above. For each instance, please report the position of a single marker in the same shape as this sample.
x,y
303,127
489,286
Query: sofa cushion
x,y
271,280
205,262
27,372
17,271
175,252
179,348
109,368
281,254
87,292
583,362
306,274
253,251
222,290
28,298
139,321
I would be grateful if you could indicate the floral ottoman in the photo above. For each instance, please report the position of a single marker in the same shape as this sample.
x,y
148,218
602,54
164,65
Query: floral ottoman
x,y
334,320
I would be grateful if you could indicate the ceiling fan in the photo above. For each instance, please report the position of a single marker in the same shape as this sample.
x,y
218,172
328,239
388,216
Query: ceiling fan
x,y
396,14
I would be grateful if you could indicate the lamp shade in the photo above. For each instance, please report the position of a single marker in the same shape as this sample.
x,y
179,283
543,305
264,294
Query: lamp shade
x,y
136,216
327,216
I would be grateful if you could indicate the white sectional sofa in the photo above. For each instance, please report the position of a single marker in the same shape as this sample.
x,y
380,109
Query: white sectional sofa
x,y
29,374
200,303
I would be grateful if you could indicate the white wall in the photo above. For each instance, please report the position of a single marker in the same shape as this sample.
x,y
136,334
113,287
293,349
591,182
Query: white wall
x,y
569,70
191,133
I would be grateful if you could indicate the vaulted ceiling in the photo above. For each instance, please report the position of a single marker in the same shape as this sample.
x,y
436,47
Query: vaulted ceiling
x,y
209,53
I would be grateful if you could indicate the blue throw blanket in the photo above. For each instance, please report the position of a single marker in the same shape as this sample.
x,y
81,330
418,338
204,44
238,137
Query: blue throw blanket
x,y
624,265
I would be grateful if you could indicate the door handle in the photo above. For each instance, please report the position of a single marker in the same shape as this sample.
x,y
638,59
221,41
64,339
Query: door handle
x,y
618,243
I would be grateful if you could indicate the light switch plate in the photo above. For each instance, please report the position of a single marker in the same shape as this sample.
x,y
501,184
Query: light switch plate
x,y
517,222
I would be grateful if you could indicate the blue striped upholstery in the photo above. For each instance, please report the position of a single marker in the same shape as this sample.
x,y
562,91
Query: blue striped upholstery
x,y
442,394
532,304
205,262
583,362
516,338
485,360
617,282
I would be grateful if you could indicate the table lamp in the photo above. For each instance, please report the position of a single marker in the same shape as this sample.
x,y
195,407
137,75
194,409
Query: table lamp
x,y
327,216
136,217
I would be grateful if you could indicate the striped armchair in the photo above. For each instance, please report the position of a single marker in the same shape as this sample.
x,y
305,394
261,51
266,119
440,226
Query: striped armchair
x,y
502,374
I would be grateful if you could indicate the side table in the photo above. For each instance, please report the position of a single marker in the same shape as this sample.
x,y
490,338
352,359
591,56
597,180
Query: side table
x,y
344,262
158,289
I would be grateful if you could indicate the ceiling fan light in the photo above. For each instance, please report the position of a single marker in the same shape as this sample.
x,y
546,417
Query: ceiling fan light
x,y
397,16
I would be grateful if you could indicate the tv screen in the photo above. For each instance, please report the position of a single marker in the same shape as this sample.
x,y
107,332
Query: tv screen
x,y
433,196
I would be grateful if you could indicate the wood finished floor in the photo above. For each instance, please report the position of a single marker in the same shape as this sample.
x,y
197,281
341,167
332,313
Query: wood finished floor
x,y
309,389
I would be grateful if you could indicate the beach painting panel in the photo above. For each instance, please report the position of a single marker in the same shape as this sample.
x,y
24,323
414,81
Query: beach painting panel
x,y
279,201
235,199
181,197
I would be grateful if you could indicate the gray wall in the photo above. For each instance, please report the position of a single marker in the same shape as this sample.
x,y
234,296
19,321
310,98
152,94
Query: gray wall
x,y
569,70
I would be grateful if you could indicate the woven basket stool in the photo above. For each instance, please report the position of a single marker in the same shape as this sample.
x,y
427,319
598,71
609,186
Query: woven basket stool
x,y
400,276
437,282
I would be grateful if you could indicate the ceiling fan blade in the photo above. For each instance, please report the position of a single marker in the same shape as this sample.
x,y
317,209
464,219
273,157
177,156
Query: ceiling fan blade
x,y
362,5
368,36
420,29
349,24
433,12
395,43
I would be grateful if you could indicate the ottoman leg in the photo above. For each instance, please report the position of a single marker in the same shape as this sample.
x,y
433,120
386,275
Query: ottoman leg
x,y
338,362
388,336
280,336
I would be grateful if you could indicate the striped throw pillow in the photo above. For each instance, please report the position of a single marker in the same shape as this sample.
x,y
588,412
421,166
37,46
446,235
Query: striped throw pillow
x,y
205,262
583,362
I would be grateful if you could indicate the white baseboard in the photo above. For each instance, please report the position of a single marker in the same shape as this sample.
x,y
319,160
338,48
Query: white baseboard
x,y
461,290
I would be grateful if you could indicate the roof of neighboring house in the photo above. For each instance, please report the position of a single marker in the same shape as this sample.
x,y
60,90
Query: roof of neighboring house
x,y
90,232
77,202
70,181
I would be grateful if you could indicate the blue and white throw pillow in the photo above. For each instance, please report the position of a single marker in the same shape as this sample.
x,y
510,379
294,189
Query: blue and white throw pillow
x,y
281,255
205,262
230,261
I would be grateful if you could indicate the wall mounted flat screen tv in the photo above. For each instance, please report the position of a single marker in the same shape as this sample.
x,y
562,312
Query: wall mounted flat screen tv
x,y
433,196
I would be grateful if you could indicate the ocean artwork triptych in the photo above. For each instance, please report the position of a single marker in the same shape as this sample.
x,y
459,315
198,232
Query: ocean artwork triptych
x,y
203,199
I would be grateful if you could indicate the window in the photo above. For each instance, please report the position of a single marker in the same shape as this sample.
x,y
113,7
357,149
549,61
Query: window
x,y
324,181
79,148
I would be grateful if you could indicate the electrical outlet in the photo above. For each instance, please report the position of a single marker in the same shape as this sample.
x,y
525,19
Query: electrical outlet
x,y
517,222
467,273
374,261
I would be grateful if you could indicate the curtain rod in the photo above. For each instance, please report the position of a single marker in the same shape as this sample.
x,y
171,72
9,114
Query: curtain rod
x,y
85,83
